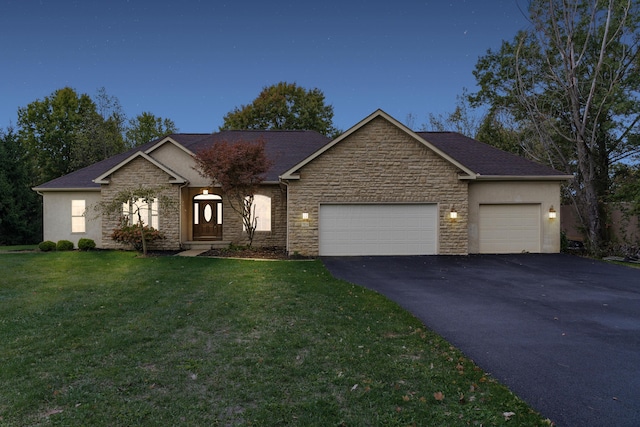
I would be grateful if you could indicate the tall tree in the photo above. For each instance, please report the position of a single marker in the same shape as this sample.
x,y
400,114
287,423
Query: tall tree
x,y
573,81
461,120
50,129
20,207
146,127
102,132
284,106
238,168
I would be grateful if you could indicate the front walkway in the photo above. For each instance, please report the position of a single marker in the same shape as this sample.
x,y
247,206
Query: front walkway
x,y
192,252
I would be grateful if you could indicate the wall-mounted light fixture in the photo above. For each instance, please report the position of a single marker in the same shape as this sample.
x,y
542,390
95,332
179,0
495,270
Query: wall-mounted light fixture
x,y
552,213
305,215
205,192
453,214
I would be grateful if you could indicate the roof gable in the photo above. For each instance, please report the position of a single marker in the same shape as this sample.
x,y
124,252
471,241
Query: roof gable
x,y
168,140
292,173
175,178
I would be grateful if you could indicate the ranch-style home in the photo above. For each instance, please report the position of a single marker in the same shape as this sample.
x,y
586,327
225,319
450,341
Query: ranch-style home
x,y
378,189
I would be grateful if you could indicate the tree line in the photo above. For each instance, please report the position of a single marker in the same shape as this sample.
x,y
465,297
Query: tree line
x,y
66,131
61,133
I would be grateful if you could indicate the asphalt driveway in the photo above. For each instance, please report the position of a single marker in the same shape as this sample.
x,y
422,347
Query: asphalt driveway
x,y
562,332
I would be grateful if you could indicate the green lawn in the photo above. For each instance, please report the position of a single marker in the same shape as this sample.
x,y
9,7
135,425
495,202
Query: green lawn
x,y
107,338
18,248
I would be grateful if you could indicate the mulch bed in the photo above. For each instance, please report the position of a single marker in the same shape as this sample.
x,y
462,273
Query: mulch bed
x,y
270,252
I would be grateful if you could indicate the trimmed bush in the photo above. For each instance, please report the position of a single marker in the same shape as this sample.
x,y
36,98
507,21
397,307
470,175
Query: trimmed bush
x,y
64,245
47,246
132,235
86,244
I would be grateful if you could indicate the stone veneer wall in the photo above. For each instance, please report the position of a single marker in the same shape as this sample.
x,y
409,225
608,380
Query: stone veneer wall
x,y
140,172
378,163
232,221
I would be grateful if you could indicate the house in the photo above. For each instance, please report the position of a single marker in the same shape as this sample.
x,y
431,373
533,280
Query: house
x,y
378,189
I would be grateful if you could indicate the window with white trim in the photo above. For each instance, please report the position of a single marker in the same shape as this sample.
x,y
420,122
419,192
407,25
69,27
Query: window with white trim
x,y
261,212
78,220
148,212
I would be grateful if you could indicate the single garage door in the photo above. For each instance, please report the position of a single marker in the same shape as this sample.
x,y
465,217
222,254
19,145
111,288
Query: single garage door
x,y
505,229
369,229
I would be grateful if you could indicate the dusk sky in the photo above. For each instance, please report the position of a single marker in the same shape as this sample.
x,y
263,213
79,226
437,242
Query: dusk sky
x,y
193,61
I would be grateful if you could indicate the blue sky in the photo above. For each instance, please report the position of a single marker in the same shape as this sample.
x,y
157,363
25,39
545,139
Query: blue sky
x,y
193,61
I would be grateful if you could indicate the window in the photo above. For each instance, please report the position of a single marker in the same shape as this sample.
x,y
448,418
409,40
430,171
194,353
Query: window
x,y
77,216
262,212
148,212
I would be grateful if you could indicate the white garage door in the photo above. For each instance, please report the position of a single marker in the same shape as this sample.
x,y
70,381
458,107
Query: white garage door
x,y
396,229
505,229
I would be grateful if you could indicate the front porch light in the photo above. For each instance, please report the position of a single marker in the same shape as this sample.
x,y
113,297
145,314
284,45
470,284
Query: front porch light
x,y
205,192
453,214
552,213
305,215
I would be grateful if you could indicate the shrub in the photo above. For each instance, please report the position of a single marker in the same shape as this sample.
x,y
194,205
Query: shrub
x,y
131,235
86,244
64,245
47,246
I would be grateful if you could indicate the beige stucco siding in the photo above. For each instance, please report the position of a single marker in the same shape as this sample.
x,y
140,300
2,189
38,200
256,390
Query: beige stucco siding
x,y
179,161
140,172
57,216
378,163
544,193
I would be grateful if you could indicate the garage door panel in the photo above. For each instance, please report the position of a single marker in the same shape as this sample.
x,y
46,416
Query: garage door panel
x,y
378,229
509,228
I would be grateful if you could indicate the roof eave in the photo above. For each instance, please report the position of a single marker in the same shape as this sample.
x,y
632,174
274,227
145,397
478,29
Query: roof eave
x,y
43,189
523,177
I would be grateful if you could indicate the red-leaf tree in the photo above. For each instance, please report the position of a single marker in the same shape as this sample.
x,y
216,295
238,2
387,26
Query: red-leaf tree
x,y
237,168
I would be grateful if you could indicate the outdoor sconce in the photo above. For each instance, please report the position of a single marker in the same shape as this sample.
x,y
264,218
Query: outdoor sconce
x,y
305,215
453,214
552,213
205,192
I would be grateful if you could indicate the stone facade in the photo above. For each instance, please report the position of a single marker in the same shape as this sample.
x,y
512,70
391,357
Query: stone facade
x,y
140,172
378,163
232,221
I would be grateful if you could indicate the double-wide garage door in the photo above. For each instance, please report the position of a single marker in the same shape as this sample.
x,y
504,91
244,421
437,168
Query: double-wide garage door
x,y
370,229
509,228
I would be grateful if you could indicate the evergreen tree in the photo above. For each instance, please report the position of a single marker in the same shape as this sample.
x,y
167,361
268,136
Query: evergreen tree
x,y
20,207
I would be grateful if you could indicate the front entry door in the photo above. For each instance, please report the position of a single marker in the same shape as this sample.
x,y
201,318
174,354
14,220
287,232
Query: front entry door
x,y
207,219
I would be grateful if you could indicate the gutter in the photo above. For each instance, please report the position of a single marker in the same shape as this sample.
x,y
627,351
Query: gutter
x,y
479,177
45,189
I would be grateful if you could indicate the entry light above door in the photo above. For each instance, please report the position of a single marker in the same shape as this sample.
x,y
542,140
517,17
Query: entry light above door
x,y
205,192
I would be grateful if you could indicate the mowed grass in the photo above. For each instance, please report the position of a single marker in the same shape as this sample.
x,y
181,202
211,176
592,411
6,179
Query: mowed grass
x,y
18,248
107,338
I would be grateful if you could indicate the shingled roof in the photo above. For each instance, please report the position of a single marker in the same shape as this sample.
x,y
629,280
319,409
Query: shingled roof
x,y
284,148
289,149
484,159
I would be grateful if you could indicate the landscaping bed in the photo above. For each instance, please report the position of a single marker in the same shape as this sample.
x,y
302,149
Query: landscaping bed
x,y
268,252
